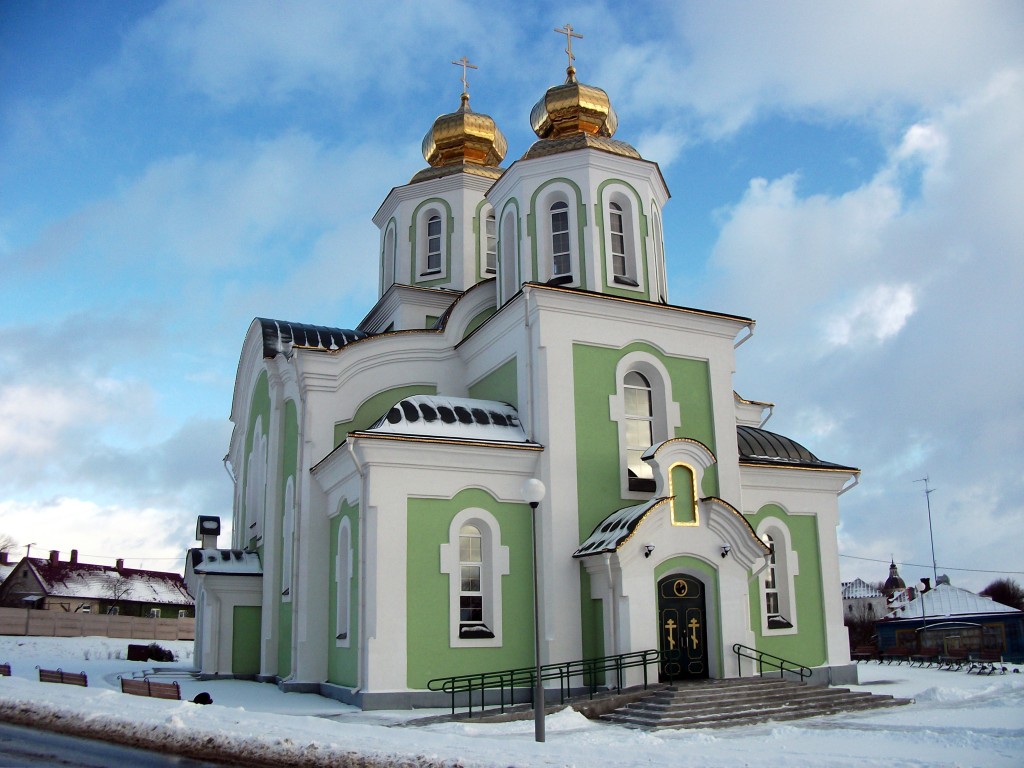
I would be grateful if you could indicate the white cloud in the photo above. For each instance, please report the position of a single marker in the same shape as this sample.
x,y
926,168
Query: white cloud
x,y
875,315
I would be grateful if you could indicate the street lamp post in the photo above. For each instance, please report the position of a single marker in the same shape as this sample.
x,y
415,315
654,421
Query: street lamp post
x,y
533,493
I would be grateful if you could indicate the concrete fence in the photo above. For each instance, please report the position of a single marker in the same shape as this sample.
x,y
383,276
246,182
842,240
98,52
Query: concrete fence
x,y
24,621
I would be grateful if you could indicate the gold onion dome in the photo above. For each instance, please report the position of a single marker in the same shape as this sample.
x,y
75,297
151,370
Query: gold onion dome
x,y
572,116
463,141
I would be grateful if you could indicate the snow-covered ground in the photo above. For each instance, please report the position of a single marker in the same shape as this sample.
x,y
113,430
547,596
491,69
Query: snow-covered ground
x,y
958,719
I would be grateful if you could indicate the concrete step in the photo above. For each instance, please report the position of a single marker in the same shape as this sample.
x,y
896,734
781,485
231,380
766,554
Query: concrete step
x,y
722,703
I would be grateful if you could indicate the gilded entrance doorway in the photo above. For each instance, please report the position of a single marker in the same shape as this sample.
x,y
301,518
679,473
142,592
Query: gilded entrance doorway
x,y
682,623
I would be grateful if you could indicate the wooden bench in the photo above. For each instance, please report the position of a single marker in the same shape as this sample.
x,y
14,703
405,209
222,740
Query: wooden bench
x,y
149,688
5,670
925,656
986,662
899,655
865,653
59,676
954,658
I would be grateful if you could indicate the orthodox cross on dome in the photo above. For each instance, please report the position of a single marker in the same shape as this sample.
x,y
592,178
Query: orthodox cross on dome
x,y
464,63
569,33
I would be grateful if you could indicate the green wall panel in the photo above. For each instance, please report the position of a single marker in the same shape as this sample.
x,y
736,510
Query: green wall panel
x,y
809,646
427,630
501,384
343,663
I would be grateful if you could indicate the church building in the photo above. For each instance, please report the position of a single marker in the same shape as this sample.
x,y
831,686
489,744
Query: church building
x,y
523,331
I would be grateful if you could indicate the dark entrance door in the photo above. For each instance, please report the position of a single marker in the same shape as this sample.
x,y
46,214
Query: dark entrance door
x,y
682,621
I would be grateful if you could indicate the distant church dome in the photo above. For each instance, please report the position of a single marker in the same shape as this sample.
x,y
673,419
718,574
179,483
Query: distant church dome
x,y
572,116
894,582
463,141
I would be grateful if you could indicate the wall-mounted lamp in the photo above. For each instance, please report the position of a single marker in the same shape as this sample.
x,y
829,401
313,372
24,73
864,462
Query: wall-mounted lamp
x,y
726,549
648,548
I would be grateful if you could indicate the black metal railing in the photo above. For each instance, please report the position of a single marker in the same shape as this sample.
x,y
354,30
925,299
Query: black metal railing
x,y
771,660
605,671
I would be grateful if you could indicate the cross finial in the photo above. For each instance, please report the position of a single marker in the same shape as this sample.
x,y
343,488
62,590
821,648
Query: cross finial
x,y
464,63
569,33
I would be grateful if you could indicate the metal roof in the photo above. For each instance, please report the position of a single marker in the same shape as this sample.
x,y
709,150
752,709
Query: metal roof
x,y
279,336
759,446
612,532
452,418
235,562
944,600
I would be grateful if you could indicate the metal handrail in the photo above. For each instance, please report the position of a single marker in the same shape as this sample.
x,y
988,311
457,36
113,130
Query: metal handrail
x,y
763,657
507,681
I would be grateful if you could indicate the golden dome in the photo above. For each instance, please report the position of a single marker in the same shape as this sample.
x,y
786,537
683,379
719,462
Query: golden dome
x,y
463,140
572,116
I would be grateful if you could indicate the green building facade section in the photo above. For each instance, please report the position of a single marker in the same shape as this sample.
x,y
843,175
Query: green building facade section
x,y
808,646
479,319
259,409
429,651
245,639
501,385
712,598
289,468
598,464
376,406
342,662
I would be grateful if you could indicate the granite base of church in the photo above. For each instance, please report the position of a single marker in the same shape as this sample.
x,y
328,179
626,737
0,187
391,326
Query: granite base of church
x,y
841,674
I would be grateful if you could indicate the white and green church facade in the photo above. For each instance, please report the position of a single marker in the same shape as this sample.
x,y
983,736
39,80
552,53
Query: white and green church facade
x,y
380,537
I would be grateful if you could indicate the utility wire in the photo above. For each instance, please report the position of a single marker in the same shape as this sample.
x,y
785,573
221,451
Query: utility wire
x,y
941,567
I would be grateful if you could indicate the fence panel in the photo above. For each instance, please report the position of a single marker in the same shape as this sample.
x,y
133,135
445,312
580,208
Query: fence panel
x,y
20,621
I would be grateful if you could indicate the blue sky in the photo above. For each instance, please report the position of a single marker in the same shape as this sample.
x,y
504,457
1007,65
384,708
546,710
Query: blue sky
x,y
848,174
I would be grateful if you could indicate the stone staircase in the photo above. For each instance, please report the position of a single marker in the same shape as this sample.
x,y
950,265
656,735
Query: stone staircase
x,y
743,701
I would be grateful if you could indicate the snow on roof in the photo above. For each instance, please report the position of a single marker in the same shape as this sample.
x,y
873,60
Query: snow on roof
x,y
235,562
452,418
613,531
859,588
90,581
944,600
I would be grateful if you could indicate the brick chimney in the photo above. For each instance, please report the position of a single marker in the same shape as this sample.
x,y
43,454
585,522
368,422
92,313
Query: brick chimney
x,y
54,557
3,558
74,557
119,564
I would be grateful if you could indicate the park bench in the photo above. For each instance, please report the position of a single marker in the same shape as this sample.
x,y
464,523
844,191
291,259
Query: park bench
x,y
985,663
865,653
899,655
924,656
5,669
954,658
149,688
59,676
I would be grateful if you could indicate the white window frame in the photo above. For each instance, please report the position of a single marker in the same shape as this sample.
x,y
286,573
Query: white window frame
x,y
183,613
255,485
343,569
489,243
508,266
557,193
665,418
288,540
154,613
621,207
560,210
424,268
494,564
785,568
388,256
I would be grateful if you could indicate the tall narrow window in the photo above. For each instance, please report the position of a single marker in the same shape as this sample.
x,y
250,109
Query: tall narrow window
x,y
287,539
343,580
771,587
639,430
471,601
491,249
561,262
618,233
434,244
778,588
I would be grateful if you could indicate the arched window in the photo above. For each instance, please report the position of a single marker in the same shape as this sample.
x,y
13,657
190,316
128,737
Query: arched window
x,y
646,414
490,244
561,255
509,257
288,539
471,606
388,258
255,486
639,430
433,244
778,598
618,233
475,561
343,580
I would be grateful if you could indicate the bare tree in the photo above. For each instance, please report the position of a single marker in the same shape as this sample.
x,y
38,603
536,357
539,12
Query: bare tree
x,y
1005,591
7,542
117,589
